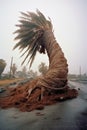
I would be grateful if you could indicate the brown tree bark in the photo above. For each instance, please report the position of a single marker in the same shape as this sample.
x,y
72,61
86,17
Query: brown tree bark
x,y
56,77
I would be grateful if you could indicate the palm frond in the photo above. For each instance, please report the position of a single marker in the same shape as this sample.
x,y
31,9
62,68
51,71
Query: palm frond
x,y
30,32
33,54
42,19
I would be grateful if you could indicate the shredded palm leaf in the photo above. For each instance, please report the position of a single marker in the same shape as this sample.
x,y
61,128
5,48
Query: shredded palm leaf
x,y
29,34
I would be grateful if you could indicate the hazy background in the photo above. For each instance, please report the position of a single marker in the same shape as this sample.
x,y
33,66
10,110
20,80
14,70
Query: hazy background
x,y
69,18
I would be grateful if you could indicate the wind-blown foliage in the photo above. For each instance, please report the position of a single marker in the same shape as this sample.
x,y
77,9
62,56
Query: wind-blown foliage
x,y
31,28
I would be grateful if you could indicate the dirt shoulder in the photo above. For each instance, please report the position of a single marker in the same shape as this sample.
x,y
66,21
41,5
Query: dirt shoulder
x,y
9,81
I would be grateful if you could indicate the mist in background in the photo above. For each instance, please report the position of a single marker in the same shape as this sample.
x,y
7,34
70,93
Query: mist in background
x,y
69,19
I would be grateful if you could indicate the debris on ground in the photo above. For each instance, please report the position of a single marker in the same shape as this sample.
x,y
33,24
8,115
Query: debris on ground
x,y
2,90
17,98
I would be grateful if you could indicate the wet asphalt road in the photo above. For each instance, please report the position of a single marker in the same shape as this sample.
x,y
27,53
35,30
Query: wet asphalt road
x,y
65,115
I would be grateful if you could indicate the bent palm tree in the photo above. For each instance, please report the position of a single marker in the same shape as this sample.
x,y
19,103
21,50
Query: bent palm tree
x,y
35,34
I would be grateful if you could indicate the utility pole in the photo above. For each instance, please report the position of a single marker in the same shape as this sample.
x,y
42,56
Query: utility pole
x,y
11,66
80,72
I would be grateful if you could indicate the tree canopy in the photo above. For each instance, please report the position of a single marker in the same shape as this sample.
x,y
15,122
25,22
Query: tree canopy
x,y
2,66
43,68
29,35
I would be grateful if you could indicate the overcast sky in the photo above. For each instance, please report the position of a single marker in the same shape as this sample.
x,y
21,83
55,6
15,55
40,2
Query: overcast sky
x,y
69,19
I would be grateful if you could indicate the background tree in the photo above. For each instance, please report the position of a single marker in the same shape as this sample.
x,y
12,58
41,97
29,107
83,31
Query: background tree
x,y
24,71
43,68
32,74
13,69
2,66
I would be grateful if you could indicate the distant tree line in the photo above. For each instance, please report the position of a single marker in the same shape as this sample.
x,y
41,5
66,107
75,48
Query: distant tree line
x,y
42,68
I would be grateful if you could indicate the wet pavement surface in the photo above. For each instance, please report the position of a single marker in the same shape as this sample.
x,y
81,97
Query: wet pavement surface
x,y
65,115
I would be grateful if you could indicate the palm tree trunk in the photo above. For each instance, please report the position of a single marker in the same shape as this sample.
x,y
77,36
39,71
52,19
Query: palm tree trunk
x,y
56,77
35,32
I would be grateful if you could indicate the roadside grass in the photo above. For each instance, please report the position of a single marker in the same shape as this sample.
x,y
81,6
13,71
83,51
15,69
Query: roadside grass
x,y
8,81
